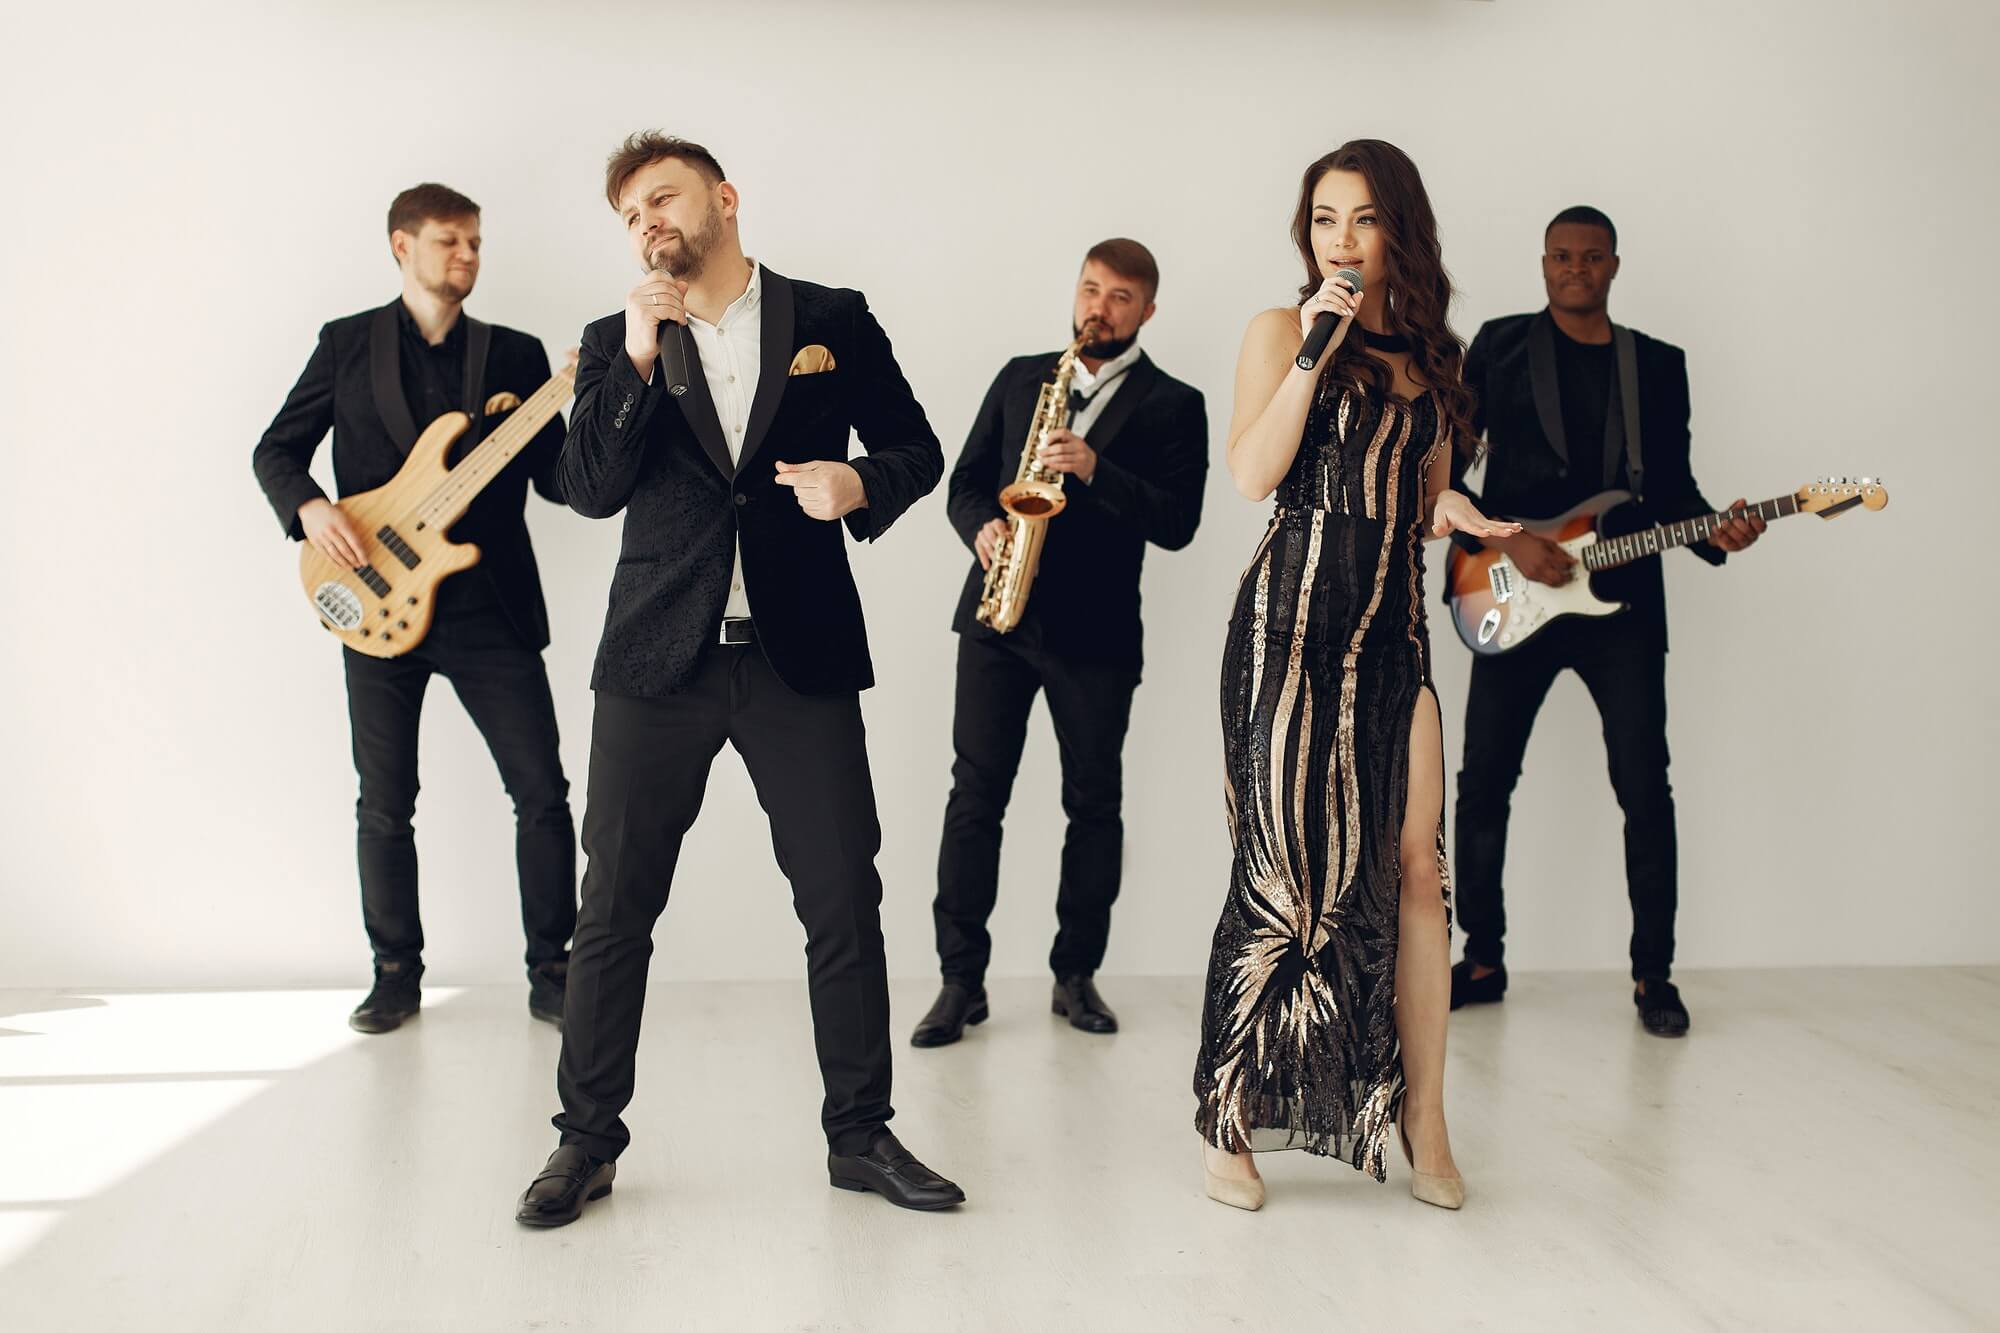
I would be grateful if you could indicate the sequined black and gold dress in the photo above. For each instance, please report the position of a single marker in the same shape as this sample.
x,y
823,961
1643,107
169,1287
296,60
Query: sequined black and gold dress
x,y
1327,653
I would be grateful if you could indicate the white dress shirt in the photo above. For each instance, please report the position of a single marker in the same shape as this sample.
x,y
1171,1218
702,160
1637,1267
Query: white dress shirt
x,y
731,351
1098,389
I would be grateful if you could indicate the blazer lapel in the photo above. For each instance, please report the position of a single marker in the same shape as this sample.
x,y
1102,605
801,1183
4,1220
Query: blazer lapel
x,y
775,338
1138,383
385,378
698,407
1542,376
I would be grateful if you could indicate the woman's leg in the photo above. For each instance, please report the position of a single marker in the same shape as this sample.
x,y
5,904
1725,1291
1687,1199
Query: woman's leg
x,y
1423,951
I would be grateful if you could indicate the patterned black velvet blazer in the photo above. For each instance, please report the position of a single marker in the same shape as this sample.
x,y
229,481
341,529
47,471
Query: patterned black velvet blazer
x,y
633,447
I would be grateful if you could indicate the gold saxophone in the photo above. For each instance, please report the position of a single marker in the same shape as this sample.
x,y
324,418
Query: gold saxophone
x,y
1034,497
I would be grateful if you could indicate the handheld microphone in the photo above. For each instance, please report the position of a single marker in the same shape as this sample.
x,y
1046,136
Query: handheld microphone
x,y
673,347
1326,325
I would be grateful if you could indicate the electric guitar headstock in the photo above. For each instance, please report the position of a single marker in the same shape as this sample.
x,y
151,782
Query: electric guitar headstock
x,y
1830,497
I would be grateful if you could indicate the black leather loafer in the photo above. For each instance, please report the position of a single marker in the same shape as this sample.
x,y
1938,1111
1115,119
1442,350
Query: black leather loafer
x,y
888,1169
572,1178
956,1006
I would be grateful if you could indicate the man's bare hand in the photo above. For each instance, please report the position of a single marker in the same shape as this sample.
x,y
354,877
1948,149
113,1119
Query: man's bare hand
x,y
333,532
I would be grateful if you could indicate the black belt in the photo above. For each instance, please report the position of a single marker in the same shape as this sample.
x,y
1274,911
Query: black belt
x,y
737,630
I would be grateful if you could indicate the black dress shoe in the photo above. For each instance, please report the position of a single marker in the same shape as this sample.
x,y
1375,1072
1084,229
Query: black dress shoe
x,y
572,1178
888,1169
1660,1009
547,984
1077,1000
397,995
1468,989
956,1006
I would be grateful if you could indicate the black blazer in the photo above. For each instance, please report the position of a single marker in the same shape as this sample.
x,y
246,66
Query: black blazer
x,y
353,385
1528,473
1152,445
662,460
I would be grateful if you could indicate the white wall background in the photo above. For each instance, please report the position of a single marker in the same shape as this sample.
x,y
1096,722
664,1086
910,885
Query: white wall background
x,y
1804,191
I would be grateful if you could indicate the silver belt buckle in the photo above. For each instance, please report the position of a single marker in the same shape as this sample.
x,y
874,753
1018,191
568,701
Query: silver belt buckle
x,y
735,630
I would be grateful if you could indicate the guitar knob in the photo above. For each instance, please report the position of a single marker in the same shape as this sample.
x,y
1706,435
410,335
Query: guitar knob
x,y
402,624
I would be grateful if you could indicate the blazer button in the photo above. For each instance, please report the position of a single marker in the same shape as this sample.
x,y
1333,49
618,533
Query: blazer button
x,y
742,499
628,402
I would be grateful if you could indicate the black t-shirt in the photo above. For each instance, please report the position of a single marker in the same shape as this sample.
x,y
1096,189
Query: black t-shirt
x,y
1585,372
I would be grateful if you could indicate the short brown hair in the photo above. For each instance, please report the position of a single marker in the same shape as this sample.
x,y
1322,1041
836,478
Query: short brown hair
x,y
429,202
644,148
1128,259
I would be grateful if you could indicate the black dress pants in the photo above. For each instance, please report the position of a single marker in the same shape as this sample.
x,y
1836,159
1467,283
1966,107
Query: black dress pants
x,y
1624,667
1090,704
649,762
505,689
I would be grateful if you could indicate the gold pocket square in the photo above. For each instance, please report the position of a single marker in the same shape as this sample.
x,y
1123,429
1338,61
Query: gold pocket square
x,y
811,360
502,402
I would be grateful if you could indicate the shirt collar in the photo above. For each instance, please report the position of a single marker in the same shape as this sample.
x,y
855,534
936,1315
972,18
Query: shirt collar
x,y
753,296
1088,384
452,336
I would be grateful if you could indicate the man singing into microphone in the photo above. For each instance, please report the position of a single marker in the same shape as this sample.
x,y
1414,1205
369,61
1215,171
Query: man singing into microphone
x,y
733,618
1135,455
1551,390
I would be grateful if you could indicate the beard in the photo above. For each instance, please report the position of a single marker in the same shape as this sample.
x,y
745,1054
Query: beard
x,y
1104,349
448,286
688,259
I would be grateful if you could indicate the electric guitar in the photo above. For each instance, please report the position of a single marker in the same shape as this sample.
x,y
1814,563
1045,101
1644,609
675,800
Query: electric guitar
x,y
1497,608
383,607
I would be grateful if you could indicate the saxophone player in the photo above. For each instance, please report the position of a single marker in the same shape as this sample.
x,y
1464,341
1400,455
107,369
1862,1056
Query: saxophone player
x,y
1133,459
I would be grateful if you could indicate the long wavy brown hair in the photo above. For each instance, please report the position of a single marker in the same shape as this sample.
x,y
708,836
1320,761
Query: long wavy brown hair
x,y
1418,288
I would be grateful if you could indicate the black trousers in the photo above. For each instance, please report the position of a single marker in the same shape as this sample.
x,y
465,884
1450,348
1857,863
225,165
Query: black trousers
x,y
1091,705
649,762
505,689
1625,669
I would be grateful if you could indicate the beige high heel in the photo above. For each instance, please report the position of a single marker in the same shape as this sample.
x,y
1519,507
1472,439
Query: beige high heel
x,y
1245,1194
1442,1191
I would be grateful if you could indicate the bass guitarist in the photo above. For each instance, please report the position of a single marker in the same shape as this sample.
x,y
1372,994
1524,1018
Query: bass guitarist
x,y
1552,391
375,380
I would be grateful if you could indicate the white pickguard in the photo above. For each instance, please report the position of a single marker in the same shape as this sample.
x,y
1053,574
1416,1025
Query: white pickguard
x,y
1526,606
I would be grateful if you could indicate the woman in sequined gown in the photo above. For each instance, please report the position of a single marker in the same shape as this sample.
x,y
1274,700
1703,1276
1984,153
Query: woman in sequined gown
x,y
1329,978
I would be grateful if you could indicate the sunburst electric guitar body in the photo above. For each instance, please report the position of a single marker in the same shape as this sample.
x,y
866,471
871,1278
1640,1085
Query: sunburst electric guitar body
x,y
1498,608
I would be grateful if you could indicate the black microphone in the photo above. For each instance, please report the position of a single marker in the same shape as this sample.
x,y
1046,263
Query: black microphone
x,y
1323,328
673,346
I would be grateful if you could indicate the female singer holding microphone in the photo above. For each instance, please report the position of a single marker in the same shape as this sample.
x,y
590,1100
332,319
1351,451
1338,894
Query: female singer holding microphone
x,y
1329,977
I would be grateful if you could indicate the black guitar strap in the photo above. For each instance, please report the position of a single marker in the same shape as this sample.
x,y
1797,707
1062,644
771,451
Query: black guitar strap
x,y
1621,423
478,339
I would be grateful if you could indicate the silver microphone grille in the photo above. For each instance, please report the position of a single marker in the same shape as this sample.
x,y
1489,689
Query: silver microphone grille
x,y
1352,277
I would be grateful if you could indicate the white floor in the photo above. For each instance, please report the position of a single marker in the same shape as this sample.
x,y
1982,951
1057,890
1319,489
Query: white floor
x,y
1820,1154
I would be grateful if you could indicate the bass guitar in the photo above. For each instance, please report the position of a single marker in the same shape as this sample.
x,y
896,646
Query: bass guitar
x,y
383,607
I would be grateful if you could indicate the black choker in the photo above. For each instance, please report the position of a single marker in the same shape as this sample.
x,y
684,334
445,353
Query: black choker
x,y
1384,342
